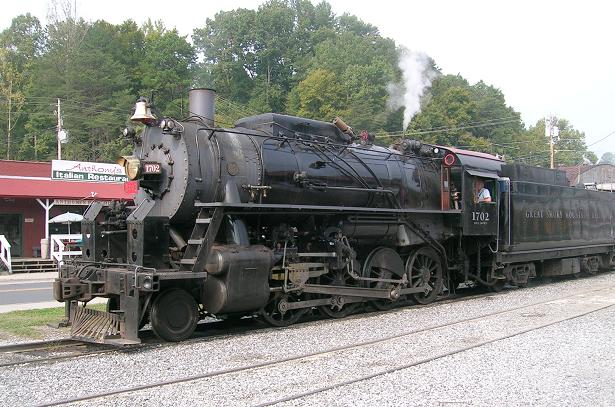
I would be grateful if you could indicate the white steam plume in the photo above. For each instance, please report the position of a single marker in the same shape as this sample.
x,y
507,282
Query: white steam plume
x,y
417,76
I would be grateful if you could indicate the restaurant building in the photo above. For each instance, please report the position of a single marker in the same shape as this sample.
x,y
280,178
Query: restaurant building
x,y
31,193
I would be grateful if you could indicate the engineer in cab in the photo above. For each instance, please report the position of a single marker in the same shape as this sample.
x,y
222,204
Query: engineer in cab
x,y
482,194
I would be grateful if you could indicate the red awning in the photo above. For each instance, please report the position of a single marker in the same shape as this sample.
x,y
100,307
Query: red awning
x,y
41,188
32,179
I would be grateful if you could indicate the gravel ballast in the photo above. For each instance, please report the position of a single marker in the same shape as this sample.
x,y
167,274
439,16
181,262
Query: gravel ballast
x,y
568,364
33,384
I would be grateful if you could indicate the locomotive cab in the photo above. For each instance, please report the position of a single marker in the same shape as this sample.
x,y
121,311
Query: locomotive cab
x,y
480,216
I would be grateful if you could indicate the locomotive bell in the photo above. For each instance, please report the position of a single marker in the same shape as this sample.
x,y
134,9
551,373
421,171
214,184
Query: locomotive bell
x,y
143,112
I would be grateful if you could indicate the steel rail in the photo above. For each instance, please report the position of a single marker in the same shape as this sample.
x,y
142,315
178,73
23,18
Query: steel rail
x,y
63,345
38,345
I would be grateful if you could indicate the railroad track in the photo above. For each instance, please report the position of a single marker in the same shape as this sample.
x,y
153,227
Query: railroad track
x,y
56,350
336,351
46,351
50,351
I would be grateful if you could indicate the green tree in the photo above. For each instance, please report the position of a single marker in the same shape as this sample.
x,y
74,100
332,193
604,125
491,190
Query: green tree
x,y
468,116
228,52
21,45
319,96
365,64
266,60
125,44
25,40
93,88
166,67
448,109
570,149
607,158
365,88
13,98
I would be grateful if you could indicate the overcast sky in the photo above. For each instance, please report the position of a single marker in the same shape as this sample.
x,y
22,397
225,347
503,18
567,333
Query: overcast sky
x,y
548,57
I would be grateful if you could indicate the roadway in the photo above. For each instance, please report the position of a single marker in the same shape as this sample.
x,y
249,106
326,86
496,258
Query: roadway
x,y
24,291
28,292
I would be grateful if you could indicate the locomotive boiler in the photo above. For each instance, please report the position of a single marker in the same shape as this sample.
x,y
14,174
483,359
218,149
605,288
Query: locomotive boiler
x,y
279,216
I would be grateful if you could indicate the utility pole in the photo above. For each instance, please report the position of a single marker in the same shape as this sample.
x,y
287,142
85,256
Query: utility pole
x,y
552,149
552,133
59,112
8,129
62,136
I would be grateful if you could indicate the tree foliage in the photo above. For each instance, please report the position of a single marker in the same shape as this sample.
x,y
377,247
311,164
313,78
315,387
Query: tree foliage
x,y
274,58
287,56
607,158
469,116
570,148
97,70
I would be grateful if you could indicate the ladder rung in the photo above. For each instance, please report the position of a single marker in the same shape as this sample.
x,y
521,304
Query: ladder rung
x,y
203,220
188,261
195,241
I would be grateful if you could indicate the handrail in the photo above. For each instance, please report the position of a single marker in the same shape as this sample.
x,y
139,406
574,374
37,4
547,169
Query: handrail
x,y
58,246
5,253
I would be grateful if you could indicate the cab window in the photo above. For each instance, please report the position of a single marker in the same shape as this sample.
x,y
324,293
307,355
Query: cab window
x,y
484,190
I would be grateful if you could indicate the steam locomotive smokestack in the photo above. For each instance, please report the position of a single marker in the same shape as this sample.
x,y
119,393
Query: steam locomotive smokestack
x,y
202,102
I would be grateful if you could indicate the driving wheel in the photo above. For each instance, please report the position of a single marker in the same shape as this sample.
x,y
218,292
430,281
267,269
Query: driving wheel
x,y
424,269
383,263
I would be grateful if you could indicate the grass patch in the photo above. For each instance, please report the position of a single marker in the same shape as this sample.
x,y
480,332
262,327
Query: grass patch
x,y
32,323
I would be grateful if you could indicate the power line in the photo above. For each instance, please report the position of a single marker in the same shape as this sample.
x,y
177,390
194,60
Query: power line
x,y
488,123
602,139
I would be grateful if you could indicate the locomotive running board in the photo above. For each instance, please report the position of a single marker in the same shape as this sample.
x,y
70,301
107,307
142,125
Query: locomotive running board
x,y
90,325
246,207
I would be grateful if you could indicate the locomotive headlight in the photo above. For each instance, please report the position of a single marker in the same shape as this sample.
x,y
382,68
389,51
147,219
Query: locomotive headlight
x,y
167,124
132,166
147,283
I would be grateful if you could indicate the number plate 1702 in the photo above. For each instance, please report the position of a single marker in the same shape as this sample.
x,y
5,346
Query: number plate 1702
x,y
151,168
482,217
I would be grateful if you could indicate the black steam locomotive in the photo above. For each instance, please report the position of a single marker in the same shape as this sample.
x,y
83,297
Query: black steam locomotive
x,y
280,216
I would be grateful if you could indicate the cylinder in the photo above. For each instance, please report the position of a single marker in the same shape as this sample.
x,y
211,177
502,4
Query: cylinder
x,y
201,102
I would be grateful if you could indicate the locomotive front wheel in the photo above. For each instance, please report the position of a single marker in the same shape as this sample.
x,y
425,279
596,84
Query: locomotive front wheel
x,y
424,267
274,313
174,315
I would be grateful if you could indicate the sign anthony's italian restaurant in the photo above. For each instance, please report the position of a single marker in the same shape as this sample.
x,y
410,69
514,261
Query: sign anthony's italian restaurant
x,y
87,172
